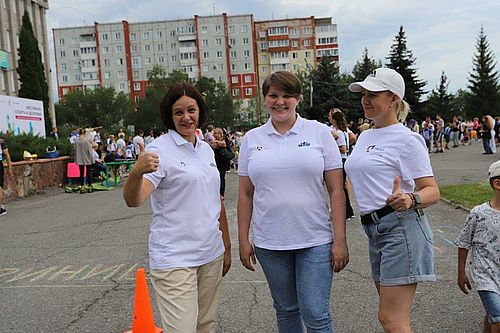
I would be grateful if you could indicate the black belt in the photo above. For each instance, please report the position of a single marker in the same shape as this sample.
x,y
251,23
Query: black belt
x,y
379,213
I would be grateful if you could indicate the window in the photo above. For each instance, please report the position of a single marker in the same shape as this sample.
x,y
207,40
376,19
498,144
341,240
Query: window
x,y
277,31
104,36
263,46
294,32
118,49
217,28
307,54
107,75
244,28
137,86
105,49
107,62
279,55
247,66
248,78
235,92
159,47
135,61
61,41
232,41
75,53
65,91
234,67
161,60
295,43
263,57
234,79
248,91
263,69
246,53
147,47
230,29
218,41
245,40
204,42
278,43
307,30
220,67
219,54
133,48
327,40
121,86
137,99
64,78
118,35
307,42
133,36
232,54
172,33
204,29
120,74
77,65
63,66
206,55
145,35
147,60
262,34
173,46
206,68
119,61
159,34
173,57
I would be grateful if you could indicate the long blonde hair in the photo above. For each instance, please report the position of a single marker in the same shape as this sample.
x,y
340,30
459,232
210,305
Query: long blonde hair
x,y
402,109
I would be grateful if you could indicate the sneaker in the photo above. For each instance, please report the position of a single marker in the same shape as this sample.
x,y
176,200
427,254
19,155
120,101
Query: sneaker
x,y
2,211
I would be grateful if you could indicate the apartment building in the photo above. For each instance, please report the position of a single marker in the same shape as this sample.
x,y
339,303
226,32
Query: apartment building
x,y
294,44
120,55
233,50
11,14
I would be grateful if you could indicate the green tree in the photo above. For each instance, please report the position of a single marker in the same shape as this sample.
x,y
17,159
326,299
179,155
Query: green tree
x,y
440,101
402,60
483,81
98,107
365,66
459,103
222,108
147,114
30,69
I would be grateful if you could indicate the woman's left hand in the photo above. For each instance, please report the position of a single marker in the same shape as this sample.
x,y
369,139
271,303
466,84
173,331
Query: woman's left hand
x,y
227,262
340,255
398,200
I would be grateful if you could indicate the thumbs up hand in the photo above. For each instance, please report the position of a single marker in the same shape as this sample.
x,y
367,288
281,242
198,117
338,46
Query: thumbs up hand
x,y
398,200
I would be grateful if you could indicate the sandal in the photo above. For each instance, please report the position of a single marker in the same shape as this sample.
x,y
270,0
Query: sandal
x,y
91,189
82,190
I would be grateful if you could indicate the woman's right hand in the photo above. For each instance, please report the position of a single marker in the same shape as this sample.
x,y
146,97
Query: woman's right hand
x,y
247,255
146,163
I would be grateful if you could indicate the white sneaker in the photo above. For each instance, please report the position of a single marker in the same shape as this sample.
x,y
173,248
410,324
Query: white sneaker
x,y
2,211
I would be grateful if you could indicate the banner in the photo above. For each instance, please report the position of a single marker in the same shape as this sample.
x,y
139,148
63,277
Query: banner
x,y
21,115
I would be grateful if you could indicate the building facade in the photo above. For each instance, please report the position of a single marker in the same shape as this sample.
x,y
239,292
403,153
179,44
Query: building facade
x,y
233,50
11,14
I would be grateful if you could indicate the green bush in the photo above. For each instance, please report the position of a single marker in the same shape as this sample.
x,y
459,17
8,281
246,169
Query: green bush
x,y
17,144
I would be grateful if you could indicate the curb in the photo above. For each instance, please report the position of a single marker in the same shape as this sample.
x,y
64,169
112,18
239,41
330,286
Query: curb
x,y
451,203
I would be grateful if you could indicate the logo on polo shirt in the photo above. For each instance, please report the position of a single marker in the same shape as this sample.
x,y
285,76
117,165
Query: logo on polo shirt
x,y
259,148
373,148
304,144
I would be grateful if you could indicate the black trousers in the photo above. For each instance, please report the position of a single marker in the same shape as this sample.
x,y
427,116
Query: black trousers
x,y
82,177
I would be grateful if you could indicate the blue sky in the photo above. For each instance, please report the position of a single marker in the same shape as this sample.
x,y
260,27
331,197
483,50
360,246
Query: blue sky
x,y
441,33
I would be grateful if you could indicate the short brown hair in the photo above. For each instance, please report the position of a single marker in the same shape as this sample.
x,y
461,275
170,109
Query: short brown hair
x,y
173,94
283,80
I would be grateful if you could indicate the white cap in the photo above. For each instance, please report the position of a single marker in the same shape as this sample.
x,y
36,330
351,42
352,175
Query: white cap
x,y
382,79
494,170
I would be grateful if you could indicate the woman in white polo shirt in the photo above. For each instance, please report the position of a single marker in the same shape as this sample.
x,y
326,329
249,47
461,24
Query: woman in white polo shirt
x,y
392,179
283,166
189,244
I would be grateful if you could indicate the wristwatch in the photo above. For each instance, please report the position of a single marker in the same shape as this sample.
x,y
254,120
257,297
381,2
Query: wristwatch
x,y
416,199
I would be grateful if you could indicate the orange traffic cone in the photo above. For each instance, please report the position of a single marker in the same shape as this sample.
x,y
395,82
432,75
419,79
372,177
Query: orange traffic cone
x,y
143,321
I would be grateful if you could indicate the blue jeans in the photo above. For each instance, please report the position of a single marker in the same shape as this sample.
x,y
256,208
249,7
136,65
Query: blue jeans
x,y
491,303
300,282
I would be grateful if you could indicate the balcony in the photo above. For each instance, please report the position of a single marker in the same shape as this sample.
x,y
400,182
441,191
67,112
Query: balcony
x,y
183,38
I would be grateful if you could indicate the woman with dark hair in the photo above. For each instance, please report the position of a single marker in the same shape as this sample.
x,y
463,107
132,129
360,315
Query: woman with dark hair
x,y
189,244
284,166
339,132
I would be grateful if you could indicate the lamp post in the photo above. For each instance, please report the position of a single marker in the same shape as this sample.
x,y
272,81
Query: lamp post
x,y
310,84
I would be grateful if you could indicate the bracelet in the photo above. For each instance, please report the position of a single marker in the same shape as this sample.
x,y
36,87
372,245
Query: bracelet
x,y
412,197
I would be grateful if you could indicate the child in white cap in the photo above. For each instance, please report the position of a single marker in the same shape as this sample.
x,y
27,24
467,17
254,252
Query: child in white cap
x,y
481,235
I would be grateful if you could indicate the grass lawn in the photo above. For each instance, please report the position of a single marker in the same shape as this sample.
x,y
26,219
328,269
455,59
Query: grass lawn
x,y
468,195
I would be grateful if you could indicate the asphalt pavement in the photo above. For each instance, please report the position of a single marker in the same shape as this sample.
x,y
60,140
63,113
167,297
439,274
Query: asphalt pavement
x,y
68,262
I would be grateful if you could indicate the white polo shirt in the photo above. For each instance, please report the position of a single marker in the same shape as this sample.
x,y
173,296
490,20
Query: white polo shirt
x,y
185,203
379,155
290,208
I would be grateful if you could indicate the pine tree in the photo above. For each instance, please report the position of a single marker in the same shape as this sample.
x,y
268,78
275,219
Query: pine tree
x,y
440,101
365,66
402,60
484,97
30,69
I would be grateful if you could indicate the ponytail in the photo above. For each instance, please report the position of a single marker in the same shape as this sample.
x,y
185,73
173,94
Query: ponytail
x,y
402,110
